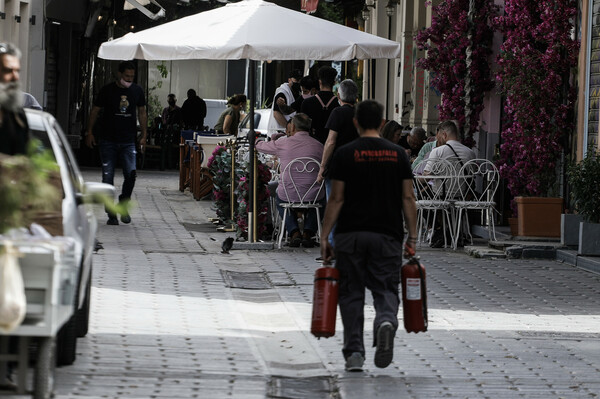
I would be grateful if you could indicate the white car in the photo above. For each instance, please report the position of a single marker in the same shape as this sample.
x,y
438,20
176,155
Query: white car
x,y
79,223
261,124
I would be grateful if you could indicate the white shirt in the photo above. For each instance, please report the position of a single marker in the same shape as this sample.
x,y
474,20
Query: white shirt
x,y
445,152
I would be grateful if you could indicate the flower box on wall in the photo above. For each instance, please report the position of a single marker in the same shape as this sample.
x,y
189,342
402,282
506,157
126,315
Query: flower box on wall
x,y
539,216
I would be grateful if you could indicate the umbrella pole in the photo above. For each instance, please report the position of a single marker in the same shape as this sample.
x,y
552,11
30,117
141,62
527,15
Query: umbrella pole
x,y
251,139
255,191
231,145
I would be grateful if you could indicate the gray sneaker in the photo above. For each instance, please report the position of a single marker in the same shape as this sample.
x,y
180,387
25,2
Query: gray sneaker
x,y
355,362
385,345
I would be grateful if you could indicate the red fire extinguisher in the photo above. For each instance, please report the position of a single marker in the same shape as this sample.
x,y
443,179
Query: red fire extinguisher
x,y
414,295
325,298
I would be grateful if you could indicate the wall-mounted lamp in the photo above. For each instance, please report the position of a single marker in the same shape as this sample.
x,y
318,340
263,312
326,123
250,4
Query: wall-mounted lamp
x,y
365,13
32,20
18,19
2,15
390,8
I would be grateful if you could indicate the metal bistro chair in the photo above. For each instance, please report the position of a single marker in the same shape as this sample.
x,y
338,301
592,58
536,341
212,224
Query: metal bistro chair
x,y
477,181
434,193
297,167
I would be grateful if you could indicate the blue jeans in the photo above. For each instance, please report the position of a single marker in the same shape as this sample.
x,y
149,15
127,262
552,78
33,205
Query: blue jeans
x,y
110,153
291,224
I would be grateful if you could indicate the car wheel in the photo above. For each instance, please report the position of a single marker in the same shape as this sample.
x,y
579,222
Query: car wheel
x,y
83,314
66,343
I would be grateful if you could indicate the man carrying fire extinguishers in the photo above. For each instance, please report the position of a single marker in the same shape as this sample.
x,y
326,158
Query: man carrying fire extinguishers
x,y
369,232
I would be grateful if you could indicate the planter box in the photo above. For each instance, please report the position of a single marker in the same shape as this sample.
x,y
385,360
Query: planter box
x,y
539,216
569,229
589,239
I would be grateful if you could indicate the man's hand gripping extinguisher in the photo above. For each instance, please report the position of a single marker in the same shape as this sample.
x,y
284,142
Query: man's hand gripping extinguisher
x,y
414,294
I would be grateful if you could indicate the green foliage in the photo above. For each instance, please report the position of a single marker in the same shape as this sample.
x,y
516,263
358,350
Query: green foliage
x,y
154,105
26,188
584,180
330,12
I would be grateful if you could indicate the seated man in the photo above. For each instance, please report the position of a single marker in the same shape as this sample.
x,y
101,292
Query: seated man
x,y
448,148
297,144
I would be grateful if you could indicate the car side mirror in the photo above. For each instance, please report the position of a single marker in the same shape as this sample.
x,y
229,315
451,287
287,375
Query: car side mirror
x,y
96,193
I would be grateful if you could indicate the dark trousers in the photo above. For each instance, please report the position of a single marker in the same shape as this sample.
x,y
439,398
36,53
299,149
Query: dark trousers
x,y
373,261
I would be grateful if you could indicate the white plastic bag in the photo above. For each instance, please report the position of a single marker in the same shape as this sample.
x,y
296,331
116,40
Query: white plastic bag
x,y
13,303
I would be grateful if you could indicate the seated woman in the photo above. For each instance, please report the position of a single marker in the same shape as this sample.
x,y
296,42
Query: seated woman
x,y
392,131
230,118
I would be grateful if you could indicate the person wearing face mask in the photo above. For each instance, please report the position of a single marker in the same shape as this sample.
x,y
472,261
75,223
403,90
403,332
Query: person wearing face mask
x,y
284,95
121,103
14,132
307,90
171,115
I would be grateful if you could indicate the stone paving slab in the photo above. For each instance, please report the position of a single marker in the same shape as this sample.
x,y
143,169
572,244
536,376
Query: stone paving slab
x,y
164,323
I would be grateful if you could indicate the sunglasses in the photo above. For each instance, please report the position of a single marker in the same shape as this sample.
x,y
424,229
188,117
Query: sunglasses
x,y
3,48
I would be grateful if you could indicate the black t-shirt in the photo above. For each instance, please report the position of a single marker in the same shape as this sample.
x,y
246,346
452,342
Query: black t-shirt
x,y
193,112
313,108
119,112
373,170
14,133
341,120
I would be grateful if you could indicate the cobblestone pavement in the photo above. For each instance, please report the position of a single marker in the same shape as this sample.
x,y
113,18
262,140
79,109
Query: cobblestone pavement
x,y
173,317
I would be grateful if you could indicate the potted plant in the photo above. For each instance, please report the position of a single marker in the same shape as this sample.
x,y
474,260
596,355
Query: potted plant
x,y
535,59
584,181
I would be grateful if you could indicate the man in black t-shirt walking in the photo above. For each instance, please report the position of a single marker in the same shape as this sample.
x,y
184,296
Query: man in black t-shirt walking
x,y
370,176
119,102
341,131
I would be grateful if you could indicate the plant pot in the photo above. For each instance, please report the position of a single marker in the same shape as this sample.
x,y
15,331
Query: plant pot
x,y
569,229
539,216
589,239
513,223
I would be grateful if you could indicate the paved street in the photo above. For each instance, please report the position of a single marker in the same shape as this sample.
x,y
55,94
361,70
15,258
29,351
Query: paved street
x,y
172,317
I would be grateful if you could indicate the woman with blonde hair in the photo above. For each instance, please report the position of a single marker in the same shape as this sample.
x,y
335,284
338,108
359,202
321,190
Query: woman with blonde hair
x,y
230,118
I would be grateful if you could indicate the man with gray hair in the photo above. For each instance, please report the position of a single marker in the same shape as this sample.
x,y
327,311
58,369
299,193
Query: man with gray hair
x,y
298,144
340,124
14,131
341,131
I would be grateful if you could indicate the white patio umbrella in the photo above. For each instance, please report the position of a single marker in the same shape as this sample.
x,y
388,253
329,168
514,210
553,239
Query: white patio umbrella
x,y
255,30
251,29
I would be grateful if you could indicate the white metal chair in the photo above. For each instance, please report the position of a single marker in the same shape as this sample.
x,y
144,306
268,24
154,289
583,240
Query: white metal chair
x,y
301,190
477,181
435,192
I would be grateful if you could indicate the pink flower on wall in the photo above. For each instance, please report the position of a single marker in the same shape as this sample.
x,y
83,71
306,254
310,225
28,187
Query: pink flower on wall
x,y
534,67
446,43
